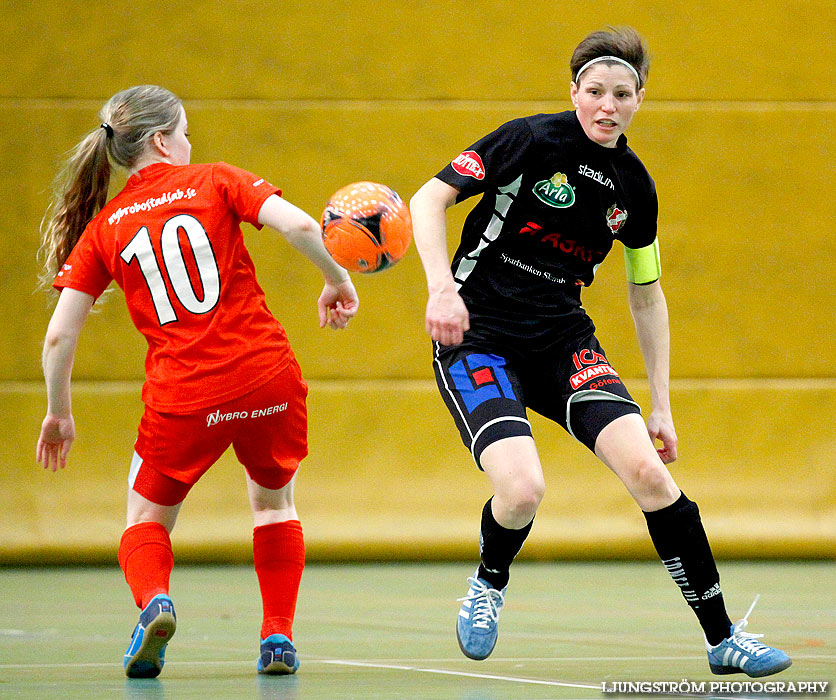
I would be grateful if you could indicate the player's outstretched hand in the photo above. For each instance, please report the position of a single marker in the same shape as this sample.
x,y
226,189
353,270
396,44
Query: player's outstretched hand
x,y
337,304
447,317
57,435
660,427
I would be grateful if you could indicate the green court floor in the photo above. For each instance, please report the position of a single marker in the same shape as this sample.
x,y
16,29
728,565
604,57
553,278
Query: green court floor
x,y
387,631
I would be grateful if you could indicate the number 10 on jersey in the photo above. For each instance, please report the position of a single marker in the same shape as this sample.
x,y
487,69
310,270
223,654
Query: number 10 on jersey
x,y
174,264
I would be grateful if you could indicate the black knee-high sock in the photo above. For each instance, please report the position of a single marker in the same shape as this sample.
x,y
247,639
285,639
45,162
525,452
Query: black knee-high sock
x,y
680,540
498,546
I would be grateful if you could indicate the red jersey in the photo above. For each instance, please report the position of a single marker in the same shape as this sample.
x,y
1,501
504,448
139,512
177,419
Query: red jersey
x,y
172,240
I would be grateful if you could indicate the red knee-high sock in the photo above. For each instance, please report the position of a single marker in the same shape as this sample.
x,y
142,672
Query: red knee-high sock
x,y
146,559
279,553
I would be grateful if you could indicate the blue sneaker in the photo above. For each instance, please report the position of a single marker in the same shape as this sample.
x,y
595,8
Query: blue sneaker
x,y
278,656
741,653
476,628
145,656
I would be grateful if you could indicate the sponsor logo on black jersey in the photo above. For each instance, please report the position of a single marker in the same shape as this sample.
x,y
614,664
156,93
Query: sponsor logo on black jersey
x,y
591,365
556,191
578,379
469,163
596,175
616,218
565,245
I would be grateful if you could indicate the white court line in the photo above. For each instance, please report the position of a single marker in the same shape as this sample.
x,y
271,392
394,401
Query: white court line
x,y
307,660
485,676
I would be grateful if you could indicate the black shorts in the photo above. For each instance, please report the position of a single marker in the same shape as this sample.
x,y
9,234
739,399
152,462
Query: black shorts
x,y
488,386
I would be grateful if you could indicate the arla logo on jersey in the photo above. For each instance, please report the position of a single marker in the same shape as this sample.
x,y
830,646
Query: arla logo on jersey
x,y
616,218
469,163
556,191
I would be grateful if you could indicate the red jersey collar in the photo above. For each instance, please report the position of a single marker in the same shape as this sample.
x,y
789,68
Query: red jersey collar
x,y
148,172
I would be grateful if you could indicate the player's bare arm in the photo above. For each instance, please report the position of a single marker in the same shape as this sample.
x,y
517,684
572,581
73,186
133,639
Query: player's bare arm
x,y
650,315
446,315
58,428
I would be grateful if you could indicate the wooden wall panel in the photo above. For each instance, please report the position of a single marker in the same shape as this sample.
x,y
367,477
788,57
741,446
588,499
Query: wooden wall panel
x,y
387,476
369,50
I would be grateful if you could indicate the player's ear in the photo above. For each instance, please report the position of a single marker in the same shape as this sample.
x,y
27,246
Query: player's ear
x,y
159,143
573,93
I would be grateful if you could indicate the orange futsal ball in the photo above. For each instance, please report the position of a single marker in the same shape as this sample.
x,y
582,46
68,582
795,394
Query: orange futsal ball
x,y
366,227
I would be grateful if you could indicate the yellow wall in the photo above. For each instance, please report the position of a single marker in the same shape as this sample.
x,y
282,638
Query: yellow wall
x,y
737,129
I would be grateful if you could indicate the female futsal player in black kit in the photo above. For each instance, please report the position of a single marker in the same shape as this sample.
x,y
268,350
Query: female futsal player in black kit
x,y
510,332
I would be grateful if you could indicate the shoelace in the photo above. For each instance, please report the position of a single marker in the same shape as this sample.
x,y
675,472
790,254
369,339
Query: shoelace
x,y
746,640
487,602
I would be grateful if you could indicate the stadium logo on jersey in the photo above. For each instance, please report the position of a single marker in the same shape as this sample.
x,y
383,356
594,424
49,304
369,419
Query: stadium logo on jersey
x,y
596,175
556,191
616,218
483,378
469,163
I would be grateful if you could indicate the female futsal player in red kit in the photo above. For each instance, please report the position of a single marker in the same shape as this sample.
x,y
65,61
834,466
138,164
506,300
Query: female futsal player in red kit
x,y
219,369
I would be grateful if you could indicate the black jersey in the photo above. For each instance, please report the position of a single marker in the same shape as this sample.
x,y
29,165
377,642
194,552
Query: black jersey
x,y
553,202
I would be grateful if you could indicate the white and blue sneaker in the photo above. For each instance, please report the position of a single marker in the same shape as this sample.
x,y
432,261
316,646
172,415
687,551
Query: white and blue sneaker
x,y
477,625
278,656
145,656
742,653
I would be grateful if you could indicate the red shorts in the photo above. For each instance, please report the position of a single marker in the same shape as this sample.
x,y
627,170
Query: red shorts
x,y
268,428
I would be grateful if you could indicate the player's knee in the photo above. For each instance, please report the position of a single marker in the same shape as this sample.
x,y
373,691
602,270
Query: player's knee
x,y
269,502
653,478
529,503
522,500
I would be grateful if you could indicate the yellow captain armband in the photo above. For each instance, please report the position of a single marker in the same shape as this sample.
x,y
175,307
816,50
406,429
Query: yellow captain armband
x,y
643,264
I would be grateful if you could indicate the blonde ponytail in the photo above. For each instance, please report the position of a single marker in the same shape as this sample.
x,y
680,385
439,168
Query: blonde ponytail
x,y
80,191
